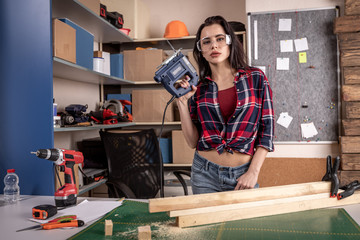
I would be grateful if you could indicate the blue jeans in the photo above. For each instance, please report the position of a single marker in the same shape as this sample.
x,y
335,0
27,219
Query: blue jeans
x,y
208,177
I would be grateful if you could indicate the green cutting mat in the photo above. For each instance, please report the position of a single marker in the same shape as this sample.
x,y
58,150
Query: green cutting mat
x,y
313,224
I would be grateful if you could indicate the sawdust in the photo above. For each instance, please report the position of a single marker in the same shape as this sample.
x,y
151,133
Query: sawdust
x,y
166,230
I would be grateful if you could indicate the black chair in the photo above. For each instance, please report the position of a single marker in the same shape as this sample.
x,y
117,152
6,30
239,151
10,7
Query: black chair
x,y
134,164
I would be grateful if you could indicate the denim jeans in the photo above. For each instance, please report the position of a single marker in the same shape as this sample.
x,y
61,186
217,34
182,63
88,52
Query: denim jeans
x,y
208,177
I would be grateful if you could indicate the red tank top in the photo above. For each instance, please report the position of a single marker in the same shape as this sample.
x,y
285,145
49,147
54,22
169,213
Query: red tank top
x,y
227,100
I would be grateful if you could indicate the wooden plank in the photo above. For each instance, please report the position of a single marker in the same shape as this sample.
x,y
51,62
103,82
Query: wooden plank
x,y
231,197
347,177
350,161
351,93
272,207
347,24
349,58
351,127
349,41
352,7
352,109
349,144
351,75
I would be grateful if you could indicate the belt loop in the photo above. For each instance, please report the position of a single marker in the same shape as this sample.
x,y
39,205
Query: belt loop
x,y
231,173
207,165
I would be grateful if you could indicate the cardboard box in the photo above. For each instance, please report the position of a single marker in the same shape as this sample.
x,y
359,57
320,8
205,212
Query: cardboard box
x,y
191,58
141,65
182,153
93,5
64,41
84,45
149,105
117,65
97,54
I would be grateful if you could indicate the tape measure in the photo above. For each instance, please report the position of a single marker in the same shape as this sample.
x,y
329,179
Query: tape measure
x,y
44,211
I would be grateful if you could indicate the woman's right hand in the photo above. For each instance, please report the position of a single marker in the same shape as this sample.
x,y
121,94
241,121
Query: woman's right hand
x,y
184,83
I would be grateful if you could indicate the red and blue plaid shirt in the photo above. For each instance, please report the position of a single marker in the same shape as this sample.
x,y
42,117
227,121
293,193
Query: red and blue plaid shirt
x,y
250,126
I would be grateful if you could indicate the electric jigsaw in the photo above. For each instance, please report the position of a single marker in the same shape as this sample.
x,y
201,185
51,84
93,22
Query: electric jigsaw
x,y
172,70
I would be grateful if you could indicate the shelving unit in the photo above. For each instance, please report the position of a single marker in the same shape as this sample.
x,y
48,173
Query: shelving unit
x,y
68,70
103,31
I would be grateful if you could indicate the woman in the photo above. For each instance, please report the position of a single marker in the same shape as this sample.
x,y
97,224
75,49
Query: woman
x,y
228,115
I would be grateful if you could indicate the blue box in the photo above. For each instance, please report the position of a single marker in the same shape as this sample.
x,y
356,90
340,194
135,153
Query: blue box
x,y
117,65
84,45
166,149
121,97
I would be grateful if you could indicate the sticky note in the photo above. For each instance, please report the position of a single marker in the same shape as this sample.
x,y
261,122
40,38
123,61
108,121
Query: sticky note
x,y
302,57
284,24
282,63
284,119
308,130
301,44
286,45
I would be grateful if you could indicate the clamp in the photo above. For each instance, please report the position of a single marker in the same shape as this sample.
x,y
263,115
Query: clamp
x,y
331,175
349,189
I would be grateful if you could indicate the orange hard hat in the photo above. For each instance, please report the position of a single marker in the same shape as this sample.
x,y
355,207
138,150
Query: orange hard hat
x,y
175,29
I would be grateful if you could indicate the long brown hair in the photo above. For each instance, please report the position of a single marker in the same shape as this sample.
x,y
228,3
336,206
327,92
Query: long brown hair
x,y
237,57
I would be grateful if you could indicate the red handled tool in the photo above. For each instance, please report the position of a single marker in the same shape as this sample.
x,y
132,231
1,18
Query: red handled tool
x,y
60,222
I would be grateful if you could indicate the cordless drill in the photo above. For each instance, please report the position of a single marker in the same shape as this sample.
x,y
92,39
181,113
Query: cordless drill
x,y
66,195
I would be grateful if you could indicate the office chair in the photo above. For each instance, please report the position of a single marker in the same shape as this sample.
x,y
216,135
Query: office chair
x,y
134,164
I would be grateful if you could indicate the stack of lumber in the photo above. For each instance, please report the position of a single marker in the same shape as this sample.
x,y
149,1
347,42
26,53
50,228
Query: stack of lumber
x,y
347,28
195,210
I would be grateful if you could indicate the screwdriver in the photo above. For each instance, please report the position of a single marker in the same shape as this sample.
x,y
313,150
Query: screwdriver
x,y
54,225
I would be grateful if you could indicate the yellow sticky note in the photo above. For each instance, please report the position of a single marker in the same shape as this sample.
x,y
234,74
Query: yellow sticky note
x,y
302,57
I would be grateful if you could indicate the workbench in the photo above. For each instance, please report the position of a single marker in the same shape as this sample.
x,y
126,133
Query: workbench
x,y
16,216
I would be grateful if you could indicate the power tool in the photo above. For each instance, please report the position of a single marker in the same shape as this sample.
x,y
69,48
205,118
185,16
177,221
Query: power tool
x,y
172,70
66,195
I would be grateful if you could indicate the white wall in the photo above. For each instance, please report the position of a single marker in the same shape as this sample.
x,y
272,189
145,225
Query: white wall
x,y
191,12
280,5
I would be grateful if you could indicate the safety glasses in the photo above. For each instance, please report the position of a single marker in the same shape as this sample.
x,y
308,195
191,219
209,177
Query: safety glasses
x,y
206,43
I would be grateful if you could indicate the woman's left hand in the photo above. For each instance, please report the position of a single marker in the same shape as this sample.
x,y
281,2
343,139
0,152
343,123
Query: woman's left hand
x,y
247,180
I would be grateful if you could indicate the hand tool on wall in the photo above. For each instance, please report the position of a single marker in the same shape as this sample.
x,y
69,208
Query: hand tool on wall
x,y
58,224
349,189
331,175
66,195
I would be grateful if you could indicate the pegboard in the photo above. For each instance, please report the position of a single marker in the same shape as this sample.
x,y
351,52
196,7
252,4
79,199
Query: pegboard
x,y
308,91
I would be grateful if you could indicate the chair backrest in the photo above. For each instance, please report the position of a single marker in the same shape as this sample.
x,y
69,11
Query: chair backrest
x,y
135,159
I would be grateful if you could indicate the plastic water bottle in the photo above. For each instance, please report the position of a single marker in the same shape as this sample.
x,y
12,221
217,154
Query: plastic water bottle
x,y
12,189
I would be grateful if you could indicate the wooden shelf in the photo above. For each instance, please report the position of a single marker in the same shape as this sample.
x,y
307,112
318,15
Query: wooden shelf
x,y
91,186
157,123
68,70
109,126
171,39
94,127
179,165
102,30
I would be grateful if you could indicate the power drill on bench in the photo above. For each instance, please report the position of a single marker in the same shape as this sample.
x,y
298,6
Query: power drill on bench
x,y
66,195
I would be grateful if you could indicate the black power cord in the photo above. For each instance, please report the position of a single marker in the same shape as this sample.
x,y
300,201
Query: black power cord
x,y
161,159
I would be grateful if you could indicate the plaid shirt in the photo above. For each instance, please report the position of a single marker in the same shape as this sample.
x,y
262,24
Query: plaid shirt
x,y
251,125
